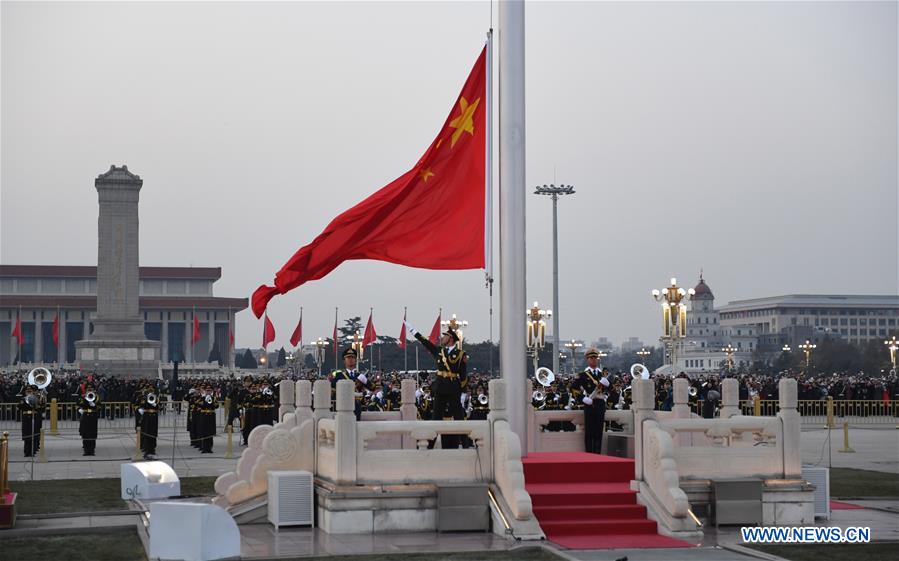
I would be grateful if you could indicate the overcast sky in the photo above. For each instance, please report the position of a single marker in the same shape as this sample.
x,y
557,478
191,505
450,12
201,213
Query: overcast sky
x,y
757,141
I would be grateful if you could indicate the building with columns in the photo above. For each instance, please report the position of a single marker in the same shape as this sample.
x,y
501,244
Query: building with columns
x,y
169,299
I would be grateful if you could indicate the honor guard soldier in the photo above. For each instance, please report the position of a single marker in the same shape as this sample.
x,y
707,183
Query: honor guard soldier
x,y
207,405
267,405
590,387
479,405
89,409
350,372
451,380
32,410
193,395
149,422
246,399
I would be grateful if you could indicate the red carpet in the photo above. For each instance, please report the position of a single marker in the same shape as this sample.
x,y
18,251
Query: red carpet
x,y
584,501
837,505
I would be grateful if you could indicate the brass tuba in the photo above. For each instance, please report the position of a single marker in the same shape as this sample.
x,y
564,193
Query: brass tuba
x,y
545,376
482,399
40,377
91,398
639,371
208,399
151,399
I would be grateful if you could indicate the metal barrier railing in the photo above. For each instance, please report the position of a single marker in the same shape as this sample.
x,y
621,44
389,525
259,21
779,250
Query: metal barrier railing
x,y
818,411
115,416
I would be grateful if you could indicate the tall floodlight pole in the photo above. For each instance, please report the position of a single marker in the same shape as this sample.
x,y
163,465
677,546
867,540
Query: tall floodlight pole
x,y
555,192
512,264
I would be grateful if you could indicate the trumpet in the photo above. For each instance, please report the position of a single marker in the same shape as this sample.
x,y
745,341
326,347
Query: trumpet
x,y
538,396
40,377
91,398
151,399
482,399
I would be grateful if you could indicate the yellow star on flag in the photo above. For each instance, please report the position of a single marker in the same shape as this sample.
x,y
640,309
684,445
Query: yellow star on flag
x,y
464,122
425,174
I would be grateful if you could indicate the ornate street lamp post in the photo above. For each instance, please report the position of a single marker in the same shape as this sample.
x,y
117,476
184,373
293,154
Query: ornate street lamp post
x,y
674,317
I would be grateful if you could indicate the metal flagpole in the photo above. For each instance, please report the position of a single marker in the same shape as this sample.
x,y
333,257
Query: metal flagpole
x,y
405,344
512,226
335,338
488,180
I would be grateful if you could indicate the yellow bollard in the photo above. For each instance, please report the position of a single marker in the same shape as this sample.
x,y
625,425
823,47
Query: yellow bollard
x,y
229,450
137,453
42,456
757,406
830,424
54,416
846,447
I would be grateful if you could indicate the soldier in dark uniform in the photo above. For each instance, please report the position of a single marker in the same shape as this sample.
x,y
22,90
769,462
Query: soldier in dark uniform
x,y
480,406
451,380
250,410
589,388
149,422
31,409
90,412
267,404
206,407
192,395
350,372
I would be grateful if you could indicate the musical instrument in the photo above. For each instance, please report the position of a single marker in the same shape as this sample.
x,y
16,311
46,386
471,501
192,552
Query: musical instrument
x,y
693,391
208,399
639,370
538,396
152,400
40,377
266,391
545,376
91,398
482,399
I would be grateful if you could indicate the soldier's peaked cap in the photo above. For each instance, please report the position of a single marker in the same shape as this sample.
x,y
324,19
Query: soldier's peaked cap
x,y
350,351
592,352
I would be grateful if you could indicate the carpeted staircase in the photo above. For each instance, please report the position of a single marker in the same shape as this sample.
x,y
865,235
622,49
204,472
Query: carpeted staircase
x,y
584,501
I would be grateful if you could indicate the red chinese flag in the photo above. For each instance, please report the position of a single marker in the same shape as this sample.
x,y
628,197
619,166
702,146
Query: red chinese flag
x,y
268,332
434,337
17,331
402,337
334,337
195,336
370,334
400,222
56,330
297,333
230,339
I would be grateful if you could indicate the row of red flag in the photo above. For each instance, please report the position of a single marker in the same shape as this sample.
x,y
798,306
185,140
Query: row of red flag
x,y
268,332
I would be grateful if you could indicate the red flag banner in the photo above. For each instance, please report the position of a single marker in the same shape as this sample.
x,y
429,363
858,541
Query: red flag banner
x,y
335,336
397,223
56,330
195,336
402,337
370,334
268,332
17,331
297,333
230,339
434,337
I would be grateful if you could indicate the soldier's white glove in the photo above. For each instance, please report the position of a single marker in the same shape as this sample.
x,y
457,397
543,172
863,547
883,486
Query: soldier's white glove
x,y
141,410
587,401
379,395
419,393
362,378
604,381
412,331
80,411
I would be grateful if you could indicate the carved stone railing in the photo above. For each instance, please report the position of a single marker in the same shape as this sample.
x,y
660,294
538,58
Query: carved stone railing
x,y
541,440
660,470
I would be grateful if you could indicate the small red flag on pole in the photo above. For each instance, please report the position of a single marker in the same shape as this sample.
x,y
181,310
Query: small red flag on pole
x,y
56,330
370,334
298,332
402,337
17,330
268,332
434,337
195,337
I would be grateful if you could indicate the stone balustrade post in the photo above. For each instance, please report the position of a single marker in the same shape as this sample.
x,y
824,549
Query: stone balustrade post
x,y
408,409
303,400
285,398
792,430
321,400
730,398
643,394
681,409
345,433
496,392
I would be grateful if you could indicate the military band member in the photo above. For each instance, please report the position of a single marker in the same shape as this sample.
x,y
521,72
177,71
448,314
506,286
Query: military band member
x,y
247,398
590,387
350,372
206,407
479,405
451,380
149,422
89,409
266,403
193,395
31,407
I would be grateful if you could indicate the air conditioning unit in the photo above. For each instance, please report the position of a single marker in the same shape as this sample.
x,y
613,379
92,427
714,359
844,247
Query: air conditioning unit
x,y
820,478
291,498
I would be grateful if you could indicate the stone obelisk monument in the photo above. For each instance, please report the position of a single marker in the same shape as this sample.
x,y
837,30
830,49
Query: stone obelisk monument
x,y
118,345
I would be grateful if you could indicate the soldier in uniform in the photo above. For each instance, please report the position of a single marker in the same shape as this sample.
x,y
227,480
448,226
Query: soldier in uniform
x,y
350,372
149,422
90,412
589,387
479,405
206,405
266,404
451,380
31,409
192,395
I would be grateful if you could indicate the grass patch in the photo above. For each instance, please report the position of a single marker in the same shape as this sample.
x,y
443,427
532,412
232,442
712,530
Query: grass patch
x,y
832,552
519,554
86,495
850,483
109,545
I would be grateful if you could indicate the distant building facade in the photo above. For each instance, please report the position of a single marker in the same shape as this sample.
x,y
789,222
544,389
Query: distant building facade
x,y
169,299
